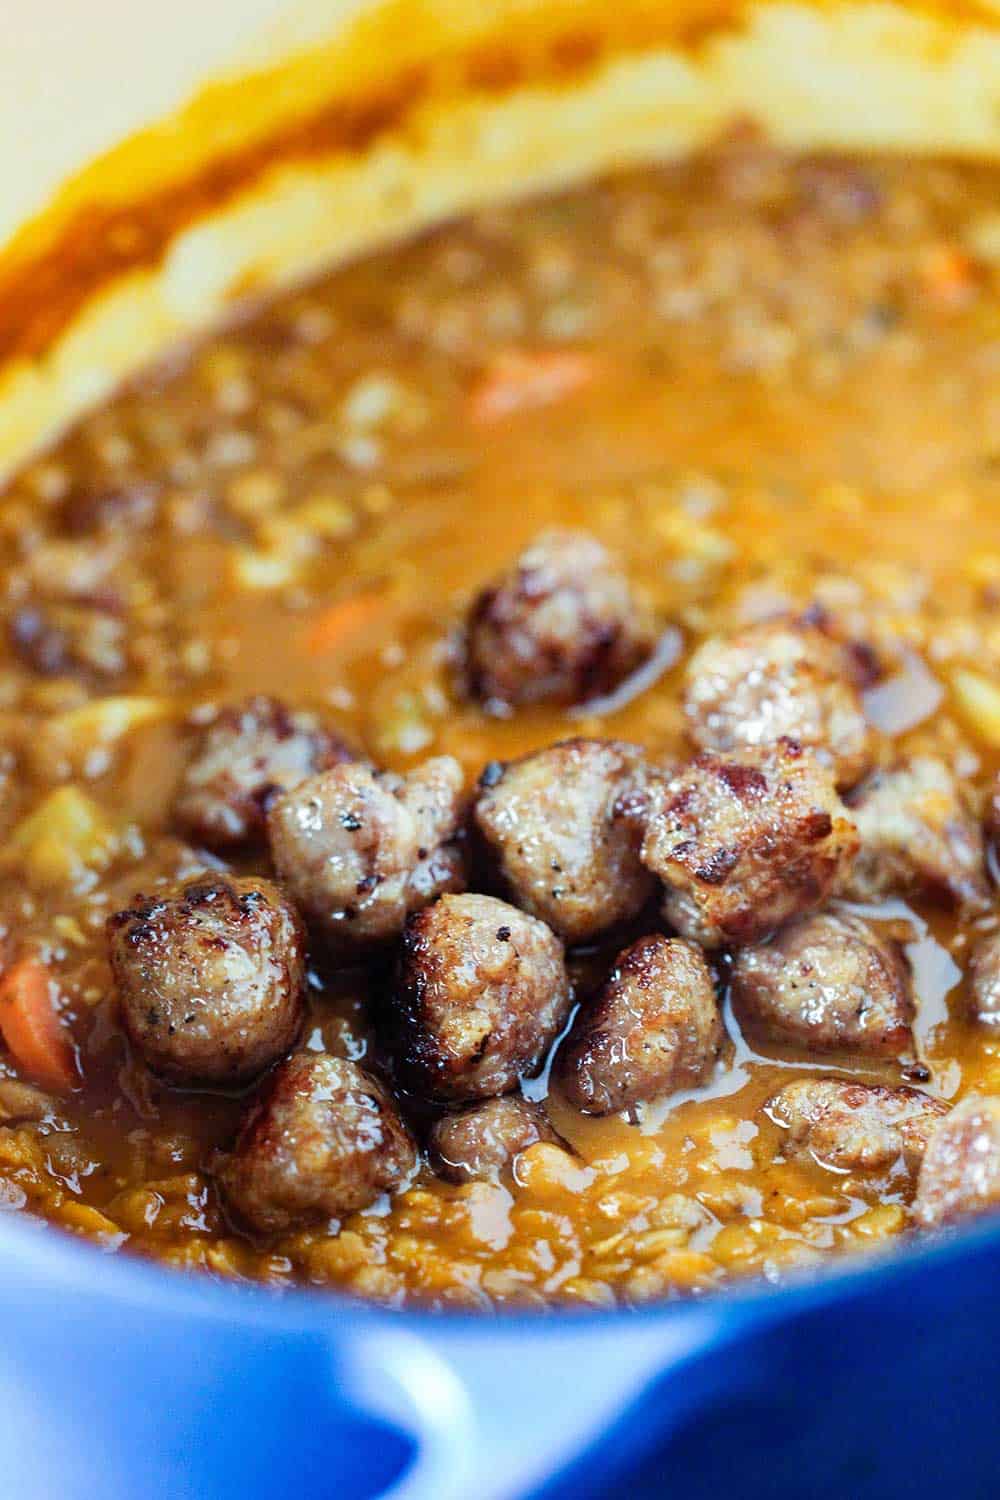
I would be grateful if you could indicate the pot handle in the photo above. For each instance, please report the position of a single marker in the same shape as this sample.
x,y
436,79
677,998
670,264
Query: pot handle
x,y
177,1395
499,1412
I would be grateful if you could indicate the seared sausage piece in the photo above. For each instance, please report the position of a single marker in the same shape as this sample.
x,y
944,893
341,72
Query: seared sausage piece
x,y
993,811
561,626
562,824
251,752
482,992
827,983
779,679
361,849
960,1176
324,1140
210,977
653,1028
984,974
918,834
479,1143
63,638
855,1127
743,845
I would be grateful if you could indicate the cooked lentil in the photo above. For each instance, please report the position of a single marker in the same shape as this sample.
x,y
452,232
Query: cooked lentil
x,y
750,379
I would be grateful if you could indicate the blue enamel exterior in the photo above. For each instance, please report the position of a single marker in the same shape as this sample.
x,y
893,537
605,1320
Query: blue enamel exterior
x,y
119,1380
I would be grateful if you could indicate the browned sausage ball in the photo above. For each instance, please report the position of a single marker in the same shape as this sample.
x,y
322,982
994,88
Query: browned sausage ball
x,y
855,1127
992,819
984,973
653,1028
743,845
779,679
827,982
324,1141
960,1176
61,638
561,626
250,752
479,1143
561,824
211,977
482,992
361,849
919,833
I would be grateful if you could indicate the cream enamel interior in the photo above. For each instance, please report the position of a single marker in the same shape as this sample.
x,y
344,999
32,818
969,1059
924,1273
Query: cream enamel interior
x,y
132,101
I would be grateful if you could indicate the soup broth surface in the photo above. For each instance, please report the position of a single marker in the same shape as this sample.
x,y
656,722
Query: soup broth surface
x,y
768,386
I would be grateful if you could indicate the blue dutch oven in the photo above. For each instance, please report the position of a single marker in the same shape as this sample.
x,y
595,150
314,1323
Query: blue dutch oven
x,y
120,1380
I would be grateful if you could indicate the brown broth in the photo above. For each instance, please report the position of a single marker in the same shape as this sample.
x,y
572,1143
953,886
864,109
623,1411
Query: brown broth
x,y
795,400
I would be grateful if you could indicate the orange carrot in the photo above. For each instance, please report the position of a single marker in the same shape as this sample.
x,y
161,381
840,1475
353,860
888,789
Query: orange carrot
x,y
32,1027
521,379
948,276
339,623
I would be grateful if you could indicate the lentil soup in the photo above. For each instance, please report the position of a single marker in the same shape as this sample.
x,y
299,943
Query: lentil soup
x,y
697,469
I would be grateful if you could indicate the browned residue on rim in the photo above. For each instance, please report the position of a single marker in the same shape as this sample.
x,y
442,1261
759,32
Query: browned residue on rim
x,y
42,292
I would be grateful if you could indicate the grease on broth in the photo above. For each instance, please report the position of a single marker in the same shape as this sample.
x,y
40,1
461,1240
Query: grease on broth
x,y
781,392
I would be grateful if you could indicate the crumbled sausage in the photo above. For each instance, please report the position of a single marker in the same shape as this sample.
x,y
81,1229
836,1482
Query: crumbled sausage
x,y
743,845
918,834
69,639
561,824
779,679
855,1127
561,626
984,975
653,1028
827,982
325,1140
361,849
482,992
250,753
992,820
40,644
960,1176
127,507
210,977
838,190
480,1142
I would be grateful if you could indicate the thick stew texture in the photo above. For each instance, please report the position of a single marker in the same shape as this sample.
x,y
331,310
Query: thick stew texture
x,y
498,754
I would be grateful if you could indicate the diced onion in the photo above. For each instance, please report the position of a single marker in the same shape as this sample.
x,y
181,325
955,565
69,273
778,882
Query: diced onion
x,y
666,654
905,699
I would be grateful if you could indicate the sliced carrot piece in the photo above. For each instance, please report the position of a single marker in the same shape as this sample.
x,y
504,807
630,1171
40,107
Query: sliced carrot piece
x,y
340,623
521,379
32,1026
949,276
